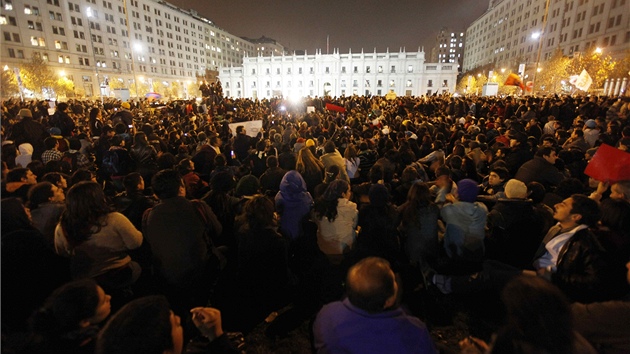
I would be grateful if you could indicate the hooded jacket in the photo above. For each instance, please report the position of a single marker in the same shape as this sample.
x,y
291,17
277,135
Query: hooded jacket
x,y
465,229
293,202
26,155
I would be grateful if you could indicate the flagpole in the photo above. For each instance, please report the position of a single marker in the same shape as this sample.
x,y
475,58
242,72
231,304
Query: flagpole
x,y
327,43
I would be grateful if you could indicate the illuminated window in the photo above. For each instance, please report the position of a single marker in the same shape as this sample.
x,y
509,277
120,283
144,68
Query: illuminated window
x,y
33,40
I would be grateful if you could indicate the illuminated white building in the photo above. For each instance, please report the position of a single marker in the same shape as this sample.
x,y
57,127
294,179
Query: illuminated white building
x,y
153,42
336,74
511,32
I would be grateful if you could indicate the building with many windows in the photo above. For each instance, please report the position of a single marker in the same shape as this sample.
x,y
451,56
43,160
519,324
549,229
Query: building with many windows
x,y
266,46
336,74
449,48
118,43
512,32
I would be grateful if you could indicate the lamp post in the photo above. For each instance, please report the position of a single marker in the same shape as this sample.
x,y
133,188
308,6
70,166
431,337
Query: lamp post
x,y
91,15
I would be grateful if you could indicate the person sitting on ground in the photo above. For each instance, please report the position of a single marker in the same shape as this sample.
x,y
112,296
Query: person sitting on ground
x,y
68,322
369,319
293,203
538,321
46,202
147,325
18,182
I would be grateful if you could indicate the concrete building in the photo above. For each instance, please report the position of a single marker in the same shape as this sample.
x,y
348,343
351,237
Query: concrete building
x,y
118,43
336,74
449,48
511,32
266,46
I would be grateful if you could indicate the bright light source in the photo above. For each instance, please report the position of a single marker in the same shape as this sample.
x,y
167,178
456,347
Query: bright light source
x,y
539,69
598,50
535,35
6,67
503,70
137,47
62,73
89,12
283,108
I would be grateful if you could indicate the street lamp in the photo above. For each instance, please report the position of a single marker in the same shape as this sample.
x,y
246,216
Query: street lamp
x,y
598,50
539,36
98,80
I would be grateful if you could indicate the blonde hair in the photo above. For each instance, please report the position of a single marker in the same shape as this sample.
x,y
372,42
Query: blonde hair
x,y
307,163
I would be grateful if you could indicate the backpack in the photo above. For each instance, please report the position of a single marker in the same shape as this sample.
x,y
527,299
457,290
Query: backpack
x,y
110,163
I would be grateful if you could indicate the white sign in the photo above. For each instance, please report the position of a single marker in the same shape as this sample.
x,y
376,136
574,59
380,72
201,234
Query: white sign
x,y
521,69
310,109
252,127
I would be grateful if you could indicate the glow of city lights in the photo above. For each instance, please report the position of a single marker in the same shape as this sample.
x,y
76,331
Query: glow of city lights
x,y
535,35
539,69
62,73
502,70
137,47
598,50
6,67
283,108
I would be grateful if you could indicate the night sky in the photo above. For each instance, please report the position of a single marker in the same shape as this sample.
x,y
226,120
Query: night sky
x,y
356,24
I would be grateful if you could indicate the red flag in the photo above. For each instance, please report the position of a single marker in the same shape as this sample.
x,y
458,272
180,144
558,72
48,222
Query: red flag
x,y
333,107
609,165
514,80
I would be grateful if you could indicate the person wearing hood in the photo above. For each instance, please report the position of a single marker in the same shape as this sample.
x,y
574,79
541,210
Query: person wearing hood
x,y
26,155
293,203
465,222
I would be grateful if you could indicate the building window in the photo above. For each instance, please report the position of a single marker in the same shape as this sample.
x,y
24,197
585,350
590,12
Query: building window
x,y
410,69
430,83
392,83
408,83
367,69
393,69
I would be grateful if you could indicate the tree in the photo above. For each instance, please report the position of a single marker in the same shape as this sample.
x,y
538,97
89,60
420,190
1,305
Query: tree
x,y
37,75
64,87
597,65
553,72
8,85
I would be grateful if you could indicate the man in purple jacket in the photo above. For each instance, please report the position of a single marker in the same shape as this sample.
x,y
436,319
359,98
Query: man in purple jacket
x,y
369,320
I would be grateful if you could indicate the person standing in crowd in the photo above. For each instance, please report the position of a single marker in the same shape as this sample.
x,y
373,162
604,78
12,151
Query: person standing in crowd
x,y
28,130
62,120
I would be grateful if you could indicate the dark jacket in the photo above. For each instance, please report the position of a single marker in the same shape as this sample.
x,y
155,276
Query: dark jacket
x,y
145,158
517,157
515,230
539,170
241,146
29,131
581,268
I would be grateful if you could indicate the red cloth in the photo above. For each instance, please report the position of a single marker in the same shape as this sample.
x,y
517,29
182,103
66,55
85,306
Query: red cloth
x,y
609,165
333,107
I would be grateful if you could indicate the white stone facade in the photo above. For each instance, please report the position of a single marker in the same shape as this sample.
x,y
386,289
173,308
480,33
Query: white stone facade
x,y
336,74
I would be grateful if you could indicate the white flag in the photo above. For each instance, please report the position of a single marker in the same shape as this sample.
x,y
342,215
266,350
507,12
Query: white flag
x,y
584,81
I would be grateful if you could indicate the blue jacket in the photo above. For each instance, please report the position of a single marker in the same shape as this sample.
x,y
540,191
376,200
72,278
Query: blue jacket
x,y
293,202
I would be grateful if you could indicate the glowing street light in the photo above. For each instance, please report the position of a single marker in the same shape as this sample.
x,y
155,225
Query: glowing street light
x,y
536,35
598,50
62,73
539,69
502,70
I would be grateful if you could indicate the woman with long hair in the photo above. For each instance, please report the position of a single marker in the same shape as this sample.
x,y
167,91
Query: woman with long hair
x,y
96,239
419,225
352,162
68,322
311,169
336,217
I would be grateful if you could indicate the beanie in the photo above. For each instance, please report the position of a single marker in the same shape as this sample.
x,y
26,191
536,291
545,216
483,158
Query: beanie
x,y
247,185
467,190
515,189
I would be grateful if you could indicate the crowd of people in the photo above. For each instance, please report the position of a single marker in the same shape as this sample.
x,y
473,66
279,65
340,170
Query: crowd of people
x,y
149,227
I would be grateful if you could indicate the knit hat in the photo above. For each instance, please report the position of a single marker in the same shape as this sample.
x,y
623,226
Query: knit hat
x,y
25,112
125,105
591,124
310,143
515,189
379,196
247,185
467,190
300,141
